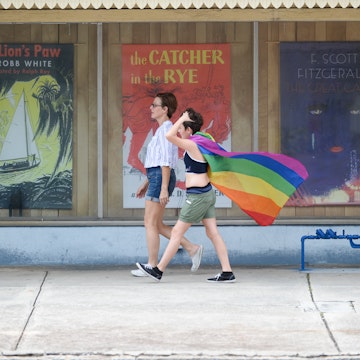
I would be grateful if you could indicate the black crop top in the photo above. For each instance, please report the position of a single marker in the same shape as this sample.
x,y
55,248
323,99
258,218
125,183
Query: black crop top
x,y
194,166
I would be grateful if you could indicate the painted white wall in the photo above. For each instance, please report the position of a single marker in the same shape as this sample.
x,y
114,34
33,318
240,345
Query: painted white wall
x,y
124,245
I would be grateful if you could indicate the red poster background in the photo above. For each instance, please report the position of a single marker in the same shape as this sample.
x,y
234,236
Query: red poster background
x,y
199,76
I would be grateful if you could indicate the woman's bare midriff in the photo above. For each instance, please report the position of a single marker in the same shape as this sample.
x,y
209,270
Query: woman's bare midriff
x,y
198,180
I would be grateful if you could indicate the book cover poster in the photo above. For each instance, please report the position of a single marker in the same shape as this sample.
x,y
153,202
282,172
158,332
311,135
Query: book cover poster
x,y
320,118
36,119
200,77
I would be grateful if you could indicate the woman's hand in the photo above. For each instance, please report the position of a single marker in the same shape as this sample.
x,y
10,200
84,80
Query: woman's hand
x,y
185,117
141,191
164,197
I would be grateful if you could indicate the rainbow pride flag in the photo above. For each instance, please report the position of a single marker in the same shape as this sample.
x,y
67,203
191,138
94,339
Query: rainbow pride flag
x,y
260,183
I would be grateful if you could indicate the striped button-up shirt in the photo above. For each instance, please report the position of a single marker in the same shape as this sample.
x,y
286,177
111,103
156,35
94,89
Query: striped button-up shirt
x,y
160,151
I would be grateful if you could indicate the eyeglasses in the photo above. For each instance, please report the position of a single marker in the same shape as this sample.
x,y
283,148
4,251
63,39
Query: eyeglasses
x,y
155,105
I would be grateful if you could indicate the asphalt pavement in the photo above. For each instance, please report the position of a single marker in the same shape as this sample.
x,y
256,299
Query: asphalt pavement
x,y
107,314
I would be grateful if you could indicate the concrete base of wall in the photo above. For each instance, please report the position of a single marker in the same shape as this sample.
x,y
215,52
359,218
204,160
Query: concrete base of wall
x,y
124,245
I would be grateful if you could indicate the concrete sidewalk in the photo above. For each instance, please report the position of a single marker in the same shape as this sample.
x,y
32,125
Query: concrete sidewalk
x,y
105,313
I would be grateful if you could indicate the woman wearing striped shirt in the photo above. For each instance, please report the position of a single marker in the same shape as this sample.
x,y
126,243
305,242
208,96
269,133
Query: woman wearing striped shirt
x,y
160,162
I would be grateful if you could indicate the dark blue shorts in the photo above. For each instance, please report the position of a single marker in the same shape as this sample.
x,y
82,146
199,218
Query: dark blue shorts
x,y
154,176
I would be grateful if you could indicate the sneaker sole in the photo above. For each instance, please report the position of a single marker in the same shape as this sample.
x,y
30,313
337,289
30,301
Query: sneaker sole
x,y
223,281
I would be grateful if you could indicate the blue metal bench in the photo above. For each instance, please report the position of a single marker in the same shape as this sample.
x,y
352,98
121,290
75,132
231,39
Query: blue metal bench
x,y
328,234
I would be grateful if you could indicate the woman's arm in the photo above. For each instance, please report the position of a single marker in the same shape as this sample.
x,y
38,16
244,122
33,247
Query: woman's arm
x,y
172,134
164,192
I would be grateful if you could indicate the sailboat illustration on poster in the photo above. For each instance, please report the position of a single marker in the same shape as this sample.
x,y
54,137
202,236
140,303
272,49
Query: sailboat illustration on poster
x,y
19,151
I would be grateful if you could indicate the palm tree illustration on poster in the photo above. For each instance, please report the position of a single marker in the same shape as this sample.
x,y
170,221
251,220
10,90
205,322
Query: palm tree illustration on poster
x,y
36,116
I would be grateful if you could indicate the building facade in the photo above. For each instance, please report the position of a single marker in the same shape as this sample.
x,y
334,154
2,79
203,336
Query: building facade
x,y
98,229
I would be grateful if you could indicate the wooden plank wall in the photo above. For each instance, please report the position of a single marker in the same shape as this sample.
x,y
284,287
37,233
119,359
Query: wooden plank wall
x,y
239,35
270,34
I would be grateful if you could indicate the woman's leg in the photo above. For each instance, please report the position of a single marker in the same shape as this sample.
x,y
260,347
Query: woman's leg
x,y
177,234
165,230
153,216
213,234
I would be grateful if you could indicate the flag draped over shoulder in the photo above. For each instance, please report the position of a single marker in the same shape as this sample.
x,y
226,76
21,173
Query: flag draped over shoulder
x,y
260,183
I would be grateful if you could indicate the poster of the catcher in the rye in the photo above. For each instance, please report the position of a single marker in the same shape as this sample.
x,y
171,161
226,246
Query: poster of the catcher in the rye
x,y
36,119
199,76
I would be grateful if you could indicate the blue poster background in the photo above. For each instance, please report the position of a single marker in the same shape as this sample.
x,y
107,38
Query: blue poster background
x,y
320,118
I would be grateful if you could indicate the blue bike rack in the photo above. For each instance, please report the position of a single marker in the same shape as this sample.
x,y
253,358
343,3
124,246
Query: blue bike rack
x,y
328,234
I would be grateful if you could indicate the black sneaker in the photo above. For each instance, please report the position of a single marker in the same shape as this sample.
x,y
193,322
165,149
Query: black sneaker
x,y
149,271
222,278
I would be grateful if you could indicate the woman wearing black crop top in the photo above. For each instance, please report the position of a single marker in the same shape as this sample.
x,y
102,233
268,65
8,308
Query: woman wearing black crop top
x,y
200,200
161,159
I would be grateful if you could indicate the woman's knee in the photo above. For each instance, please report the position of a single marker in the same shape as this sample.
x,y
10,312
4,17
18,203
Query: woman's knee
x,y
179,230
212,234
153,216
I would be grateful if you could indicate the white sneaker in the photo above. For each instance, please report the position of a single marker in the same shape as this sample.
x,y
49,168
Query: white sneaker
x,y
196,259
138,273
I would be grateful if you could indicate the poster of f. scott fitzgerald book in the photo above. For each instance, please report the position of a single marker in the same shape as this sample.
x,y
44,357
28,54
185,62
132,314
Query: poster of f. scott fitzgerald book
x,y
36,121
320,118
199,77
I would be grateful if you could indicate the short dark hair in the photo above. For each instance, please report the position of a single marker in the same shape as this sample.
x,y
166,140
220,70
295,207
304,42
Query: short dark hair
x,y
168,99
197,122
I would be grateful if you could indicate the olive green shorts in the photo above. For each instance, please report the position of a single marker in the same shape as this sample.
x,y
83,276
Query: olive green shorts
x,y
198,207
